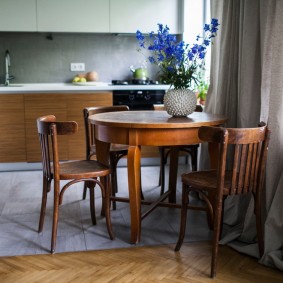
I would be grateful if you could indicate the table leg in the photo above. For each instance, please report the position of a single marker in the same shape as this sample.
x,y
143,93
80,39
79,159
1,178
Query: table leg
x,y
134,177
173,171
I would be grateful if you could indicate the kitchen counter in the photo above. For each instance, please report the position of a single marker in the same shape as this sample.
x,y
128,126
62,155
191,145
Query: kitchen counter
x,y
69,87
22,104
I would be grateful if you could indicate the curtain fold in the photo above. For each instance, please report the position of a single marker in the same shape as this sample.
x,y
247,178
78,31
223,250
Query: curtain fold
x,y
247,86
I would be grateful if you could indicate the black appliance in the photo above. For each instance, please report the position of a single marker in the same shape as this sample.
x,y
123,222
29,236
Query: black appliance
x,y
134,82
138,99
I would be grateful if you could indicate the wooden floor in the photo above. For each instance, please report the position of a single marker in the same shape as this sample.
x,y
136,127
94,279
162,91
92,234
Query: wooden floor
x,y
137,264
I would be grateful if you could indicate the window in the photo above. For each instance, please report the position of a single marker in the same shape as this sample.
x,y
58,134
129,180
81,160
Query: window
x,y
196,14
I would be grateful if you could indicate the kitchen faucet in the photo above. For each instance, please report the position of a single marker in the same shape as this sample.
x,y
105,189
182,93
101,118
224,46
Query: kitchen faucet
x,y
7,65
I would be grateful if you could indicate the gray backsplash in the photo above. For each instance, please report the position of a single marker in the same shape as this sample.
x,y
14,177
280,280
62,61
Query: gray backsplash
x,y
37,59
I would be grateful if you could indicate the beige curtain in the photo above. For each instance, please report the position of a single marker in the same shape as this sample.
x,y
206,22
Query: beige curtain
x,y
247,87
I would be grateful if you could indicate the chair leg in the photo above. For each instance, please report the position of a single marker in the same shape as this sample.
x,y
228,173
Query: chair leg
x,y
114,185
45,190
142,196
194,157
216,236
161,155
85,190
210,215
162,169
259,224
55,217
185,201
86,183
92,204
107,204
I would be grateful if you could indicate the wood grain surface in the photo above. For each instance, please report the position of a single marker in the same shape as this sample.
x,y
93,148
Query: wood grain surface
x,y
138,264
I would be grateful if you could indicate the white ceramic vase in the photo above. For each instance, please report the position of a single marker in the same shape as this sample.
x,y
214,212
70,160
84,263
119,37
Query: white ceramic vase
x,y
180,102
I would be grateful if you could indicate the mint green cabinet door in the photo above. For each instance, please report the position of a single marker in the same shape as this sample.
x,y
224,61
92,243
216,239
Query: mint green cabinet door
x,y
73,15
18,15
128,16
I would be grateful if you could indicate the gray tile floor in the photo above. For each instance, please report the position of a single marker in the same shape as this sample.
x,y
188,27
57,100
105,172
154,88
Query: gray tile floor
x,y
20,205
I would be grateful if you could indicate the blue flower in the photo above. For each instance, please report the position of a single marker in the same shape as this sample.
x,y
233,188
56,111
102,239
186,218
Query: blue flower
x,y
178,61
201,55
214,22
160,57
191,56
151,59
206,42
206,27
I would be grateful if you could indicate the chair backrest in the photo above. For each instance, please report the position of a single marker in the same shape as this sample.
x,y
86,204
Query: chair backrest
x,y
48,129
89,128
247,148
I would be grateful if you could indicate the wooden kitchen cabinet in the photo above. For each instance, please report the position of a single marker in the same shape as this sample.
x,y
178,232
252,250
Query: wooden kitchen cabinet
x,y
37,105
18,113
12,128
18,15
65,107
75,105
128,16
73,15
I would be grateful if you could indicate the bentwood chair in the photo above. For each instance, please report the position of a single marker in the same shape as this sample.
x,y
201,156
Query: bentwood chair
x,y
164,151
247,148
75,171
117,151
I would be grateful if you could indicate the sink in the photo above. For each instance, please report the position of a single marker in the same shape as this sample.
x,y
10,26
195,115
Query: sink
x,y
11,85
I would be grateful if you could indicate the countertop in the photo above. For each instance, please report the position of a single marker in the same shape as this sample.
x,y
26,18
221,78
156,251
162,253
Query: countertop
x,y
78,87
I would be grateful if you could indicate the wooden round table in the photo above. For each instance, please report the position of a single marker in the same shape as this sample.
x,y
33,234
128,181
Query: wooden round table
x,y
147,128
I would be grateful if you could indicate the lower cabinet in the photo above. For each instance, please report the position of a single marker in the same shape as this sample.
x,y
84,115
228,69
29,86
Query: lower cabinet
x,y
37,105
12,128
64,107
18,113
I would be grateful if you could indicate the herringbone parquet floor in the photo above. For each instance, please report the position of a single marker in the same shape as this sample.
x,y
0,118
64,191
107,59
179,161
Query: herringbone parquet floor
x,y
85,260
137,264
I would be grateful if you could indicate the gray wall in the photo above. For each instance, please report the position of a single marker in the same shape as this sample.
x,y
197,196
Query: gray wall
x,y
37,59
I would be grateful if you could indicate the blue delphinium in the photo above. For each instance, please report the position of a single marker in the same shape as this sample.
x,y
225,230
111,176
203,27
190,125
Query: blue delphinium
x,y
178,61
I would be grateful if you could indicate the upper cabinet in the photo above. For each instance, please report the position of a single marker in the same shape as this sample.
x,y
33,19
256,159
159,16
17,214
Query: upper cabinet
x,y
18,15
115,16
73,15
128,16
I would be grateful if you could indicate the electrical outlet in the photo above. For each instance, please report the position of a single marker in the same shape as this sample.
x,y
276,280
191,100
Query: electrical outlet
x,y
77,67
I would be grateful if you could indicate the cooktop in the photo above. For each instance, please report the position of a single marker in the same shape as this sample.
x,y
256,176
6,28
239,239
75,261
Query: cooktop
x,y
134,82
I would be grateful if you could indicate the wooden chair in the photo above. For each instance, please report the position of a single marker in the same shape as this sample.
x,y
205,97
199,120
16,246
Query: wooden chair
x,y
164,152
248,148
117,151
76,171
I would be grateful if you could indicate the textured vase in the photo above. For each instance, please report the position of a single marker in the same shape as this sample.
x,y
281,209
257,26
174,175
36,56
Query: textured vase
x,y
180,102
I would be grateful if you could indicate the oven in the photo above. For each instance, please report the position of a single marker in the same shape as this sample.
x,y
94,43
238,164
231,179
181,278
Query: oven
x,y
138,99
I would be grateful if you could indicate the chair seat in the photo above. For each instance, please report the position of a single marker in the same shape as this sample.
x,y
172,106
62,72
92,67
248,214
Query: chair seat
x,y
206,180
82,169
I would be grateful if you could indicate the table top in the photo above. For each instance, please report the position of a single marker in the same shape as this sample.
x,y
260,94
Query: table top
x,y
155,119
